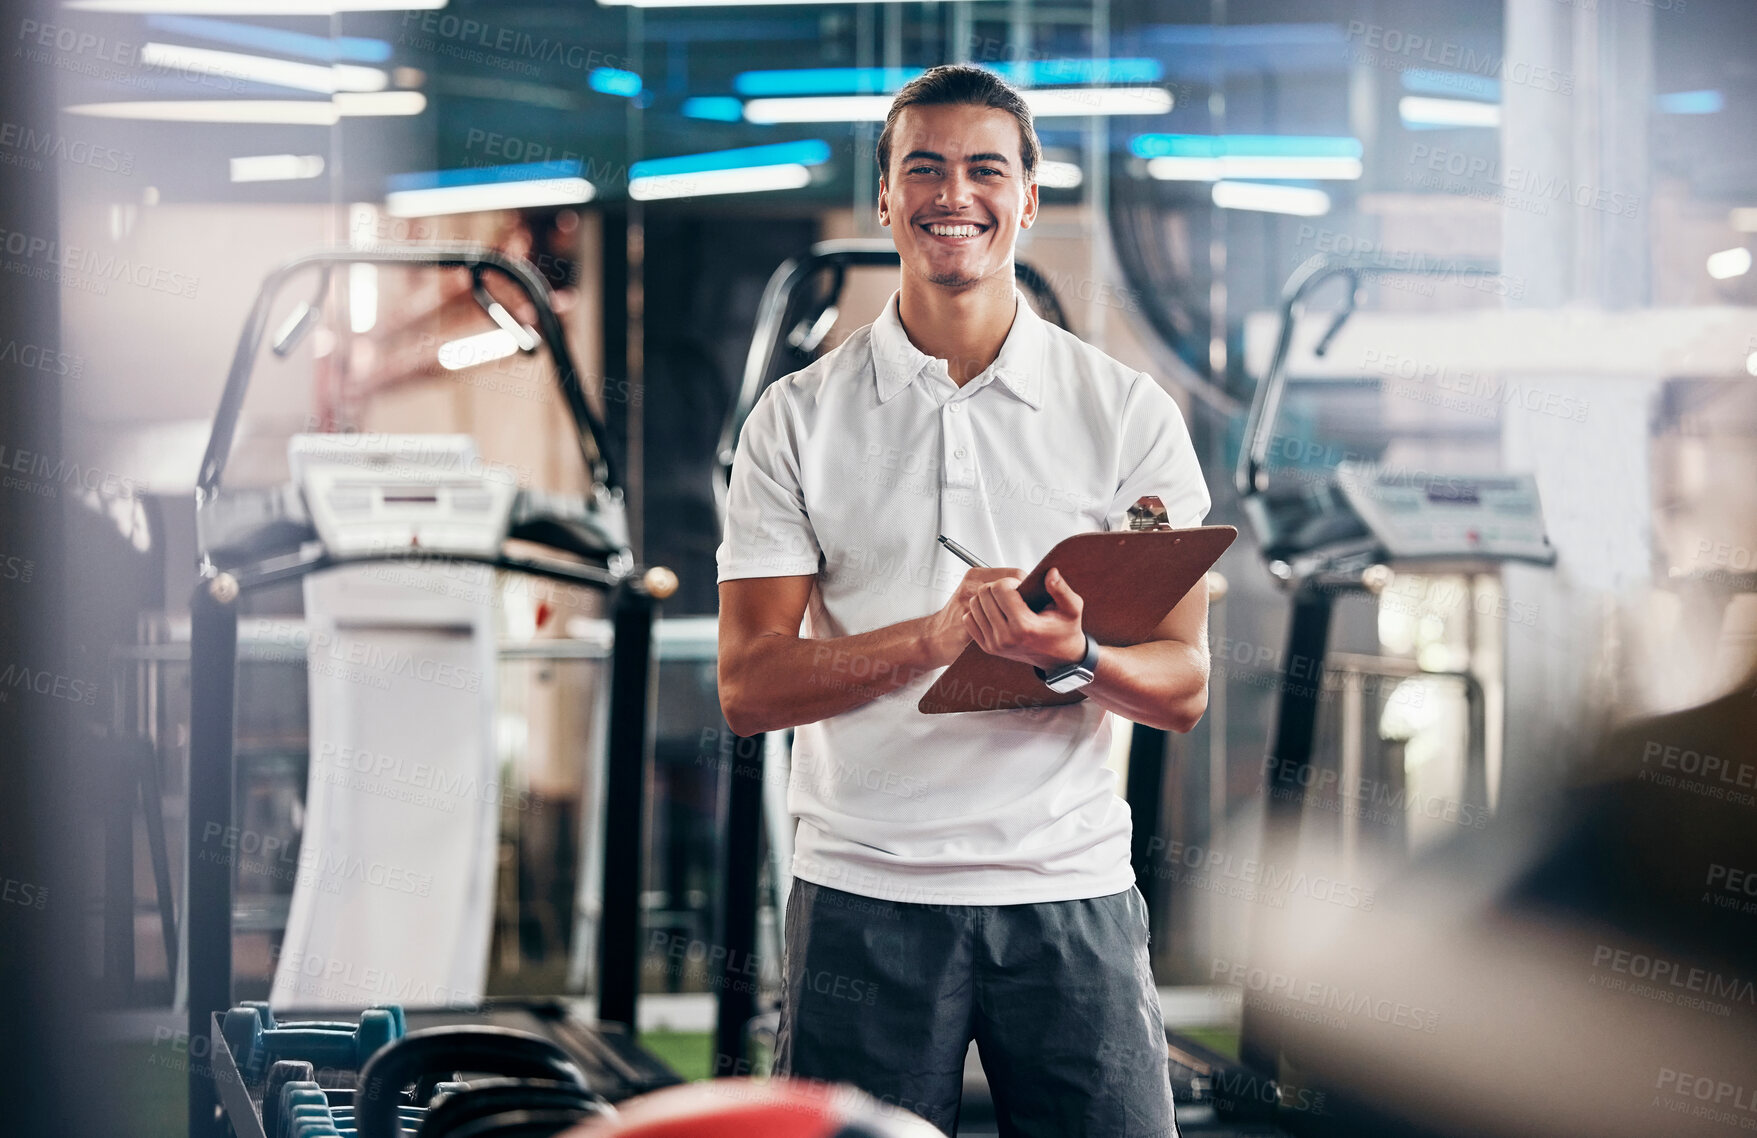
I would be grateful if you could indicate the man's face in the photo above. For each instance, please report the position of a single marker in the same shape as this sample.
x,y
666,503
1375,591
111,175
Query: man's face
x,y
956,195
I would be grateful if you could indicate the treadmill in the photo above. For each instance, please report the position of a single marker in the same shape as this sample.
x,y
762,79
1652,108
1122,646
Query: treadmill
x,y
1346,532
403,499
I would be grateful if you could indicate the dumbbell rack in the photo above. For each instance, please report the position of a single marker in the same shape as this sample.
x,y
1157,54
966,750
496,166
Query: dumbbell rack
x,y
319,1079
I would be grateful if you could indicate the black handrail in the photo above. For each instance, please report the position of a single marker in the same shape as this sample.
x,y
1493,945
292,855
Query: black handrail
x,y
464,255
1253,456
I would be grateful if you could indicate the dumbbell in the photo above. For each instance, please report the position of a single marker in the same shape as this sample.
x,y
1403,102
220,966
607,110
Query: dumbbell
x,y
254,1046
267,1016
302,1107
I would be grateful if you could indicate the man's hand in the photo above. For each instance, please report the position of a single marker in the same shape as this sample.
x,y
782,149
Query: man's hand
x,y
1002,624
948,629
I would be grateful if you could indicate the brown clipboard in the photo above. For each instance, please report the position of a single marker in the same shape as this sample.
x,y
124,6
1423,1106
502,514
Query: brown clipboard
x,y
1128,580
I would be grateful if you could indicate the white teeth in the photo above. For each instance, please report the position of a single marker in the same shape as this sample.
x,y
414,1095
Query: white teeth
x,y
953,230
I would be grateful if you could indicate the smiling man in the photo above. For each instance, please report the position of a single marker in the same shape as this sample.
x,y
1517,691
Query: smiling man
x,y
963,876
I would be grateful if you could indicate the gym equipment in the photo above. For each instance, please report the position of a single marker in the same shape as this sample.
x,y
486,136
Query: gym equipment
x,y
792,320
321,1044
250,539
1345,532
486,1049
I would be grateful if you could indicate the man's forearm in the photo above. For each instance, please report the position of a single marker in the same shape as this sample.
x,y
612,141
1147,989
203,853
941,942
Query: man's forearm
x,y
782,681
1162,683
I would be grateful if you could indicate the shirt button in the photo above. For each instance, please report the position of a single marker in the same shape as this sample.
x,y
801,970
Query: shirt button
x,y
955,407
959,453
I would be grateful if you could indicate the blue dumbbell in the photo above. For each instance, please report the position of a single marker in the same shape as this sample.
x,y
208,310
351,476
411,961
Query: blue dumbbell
x,y
254,1047
267,1016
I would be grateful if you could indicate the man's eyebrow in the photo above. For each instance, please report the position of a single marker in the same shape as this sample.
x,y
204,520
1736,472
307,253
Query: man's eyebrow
x,y
931,156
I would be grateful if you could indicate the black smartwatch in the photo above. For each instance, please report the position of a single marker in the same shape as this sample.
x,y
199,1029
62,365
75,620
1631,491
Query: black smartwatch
x,y
1072,677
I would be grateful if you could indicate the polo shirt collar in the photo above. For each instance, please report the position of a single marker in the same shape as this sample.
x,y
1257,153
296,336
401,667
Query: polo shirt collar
x,y
1019,367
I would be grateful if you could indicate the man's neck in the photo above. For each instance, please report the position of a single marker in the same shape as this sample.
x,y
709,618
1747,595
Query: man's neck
x,y
965,328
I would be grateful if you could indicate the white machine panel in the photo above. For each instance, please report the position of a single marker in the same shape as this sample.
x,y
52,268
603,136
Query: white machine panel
x,y
1418,514
369,493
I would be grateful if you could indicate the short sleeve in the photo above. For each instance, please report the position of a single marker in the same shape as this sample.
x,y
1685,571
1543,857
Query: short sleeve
x,y
768,533
1156,457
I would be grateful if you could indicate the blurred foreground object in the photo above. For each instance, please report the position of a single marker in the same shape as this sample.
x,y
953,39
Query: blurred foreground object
x,y
742,1108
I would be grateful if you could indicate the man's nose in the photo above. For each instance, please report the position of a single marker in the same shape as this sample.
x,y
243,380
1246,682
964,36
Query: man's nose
x,y
957,189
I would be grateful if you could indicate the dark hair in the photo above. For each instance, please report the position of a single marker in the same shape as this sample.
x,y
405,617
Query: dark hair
x,y
961,83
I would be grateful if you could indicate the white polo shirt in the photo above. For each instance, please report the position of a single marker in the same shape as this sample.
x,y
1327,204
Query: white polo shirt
x,y
849,470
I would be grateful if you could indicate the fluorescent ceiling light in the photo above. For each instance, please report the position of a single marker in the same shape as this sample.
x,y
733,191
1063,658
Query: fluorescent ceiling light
x,y
277,167
1076,102
362,297
1214,169
1268,198
253,7
819,108
280,41
531,194
745,180
1072,103
284,112
325,79
1059,175
1418,110
1751,364
867,80
485,347
1245,146
1729,263
1744,219
805,152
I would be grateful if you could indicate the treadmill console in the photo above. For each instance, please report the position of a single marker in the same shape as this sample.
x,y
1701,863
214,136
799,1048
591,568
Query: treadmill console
x,y
1418,515
372,493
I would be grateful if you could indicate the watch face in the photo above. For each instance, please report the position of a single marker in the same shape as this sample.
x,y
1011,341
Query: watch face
x,y
1073,681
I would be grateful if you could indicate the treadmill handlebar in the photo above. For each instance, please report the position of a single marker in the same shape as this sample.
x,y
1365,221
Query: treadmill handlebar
x,y
1251,475
464,255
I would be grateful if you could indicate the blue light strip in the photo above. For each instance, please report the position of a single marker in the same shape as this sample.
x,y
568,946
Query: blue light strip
x,y
806,152
325,49
614,81
1053,72
1244,146
719,108
1689,103
1451,84
823,81
484,175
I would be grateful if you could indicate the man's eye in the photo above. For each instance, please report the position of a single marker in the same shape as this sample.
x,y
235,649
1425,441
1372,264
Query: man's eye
x,y
919,169
987,170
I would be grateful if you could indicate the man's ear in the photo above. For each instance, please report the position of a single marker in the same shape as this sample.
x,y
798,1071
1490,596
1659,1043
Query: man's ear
x,y
1029,213
884,210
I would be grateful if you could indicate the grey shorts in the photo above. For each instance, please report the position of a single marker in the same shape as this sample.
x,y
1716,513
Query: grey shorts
x,y
1059,998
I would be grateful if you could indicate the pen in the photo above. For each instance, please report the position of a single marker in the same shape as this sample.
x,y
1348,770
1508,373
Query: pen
x,y
961,553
